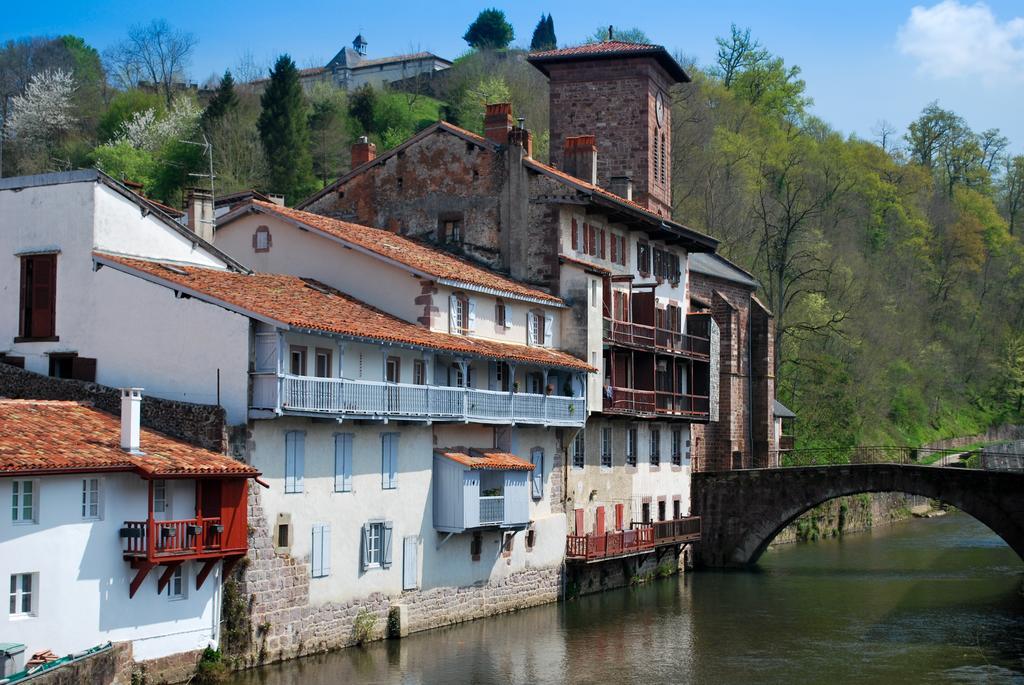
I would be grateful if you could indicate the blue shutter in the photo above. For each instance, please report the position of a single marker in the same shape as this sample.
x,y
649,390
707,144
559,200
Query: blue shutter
x,y
537,476
294,460
325,549
385,553
365,553
316,557
343,462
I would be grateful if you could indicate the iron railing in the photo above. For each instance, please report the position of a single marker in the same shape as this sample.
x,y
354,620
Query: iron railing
x,y
989,458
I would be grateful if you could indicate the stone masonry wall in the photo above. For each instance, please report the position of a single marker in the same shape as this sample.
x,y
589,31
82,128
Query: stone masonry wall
x,y
853,514
585,579
200,424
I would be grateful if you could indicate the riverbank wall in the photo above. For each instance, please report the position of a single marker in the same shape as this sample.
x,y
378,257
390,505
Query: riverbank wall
x,y
613,574
852,514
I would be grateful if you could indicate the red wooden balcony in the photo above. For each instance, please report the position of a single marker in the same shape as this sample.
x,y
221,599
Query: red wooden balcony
x,y
656,403
687,406
629,401
616,543
196,538
677,531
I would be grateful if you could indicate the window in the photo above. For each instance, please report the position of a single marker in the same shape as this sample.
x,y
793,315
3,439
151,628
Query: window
x,y
37,310
645,512
90,498
535,383
393,369
23,501
23,591
537,476
283,539
600,244
261,240
298,360
540,328
662,160
614,256
176,586
419,372
389,461
476,546
376,546
593,293
661,510
449,230
606,447
322,365
578,458
622,250
507,540
320,551
70,365
677,509
294,460
343,462
160,503
575,236
502,372
687,457
643,257
461,314
677,447
655,447
501,314
631,441
531,539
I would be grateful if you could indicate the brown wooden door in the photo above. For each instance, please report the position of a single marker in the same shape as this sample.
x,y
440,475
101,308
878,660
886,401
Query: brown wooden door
x,y
599,522
579,522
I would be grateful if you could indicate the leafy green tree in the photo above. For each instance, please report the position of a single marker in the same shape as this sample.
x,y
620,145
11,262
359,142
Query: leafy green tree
x,y
223,101
327,131
544,34
284,130
123,106
489,31
1011,192
361,106
475,99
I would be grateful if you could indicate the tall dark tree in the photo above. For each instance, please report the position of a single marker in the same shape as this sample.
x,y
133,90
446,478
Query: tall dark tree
x,y
544,34
490,31
223,101
361,105
284,131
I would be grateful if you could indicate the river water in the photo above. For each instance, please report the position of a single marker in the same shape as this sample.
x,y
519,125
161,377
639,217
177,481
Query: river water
x,y
936,601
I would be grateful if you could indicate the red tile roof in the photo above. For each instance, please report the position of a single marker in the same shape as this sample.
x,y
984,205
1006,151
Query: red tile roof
x,y
307,304
48,436
415,255
587,266
609,49
483,459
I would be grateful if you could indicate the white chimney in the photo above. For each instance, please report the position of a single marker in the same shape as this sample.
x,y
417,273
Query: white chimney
x,y
200,213
131,415
276,199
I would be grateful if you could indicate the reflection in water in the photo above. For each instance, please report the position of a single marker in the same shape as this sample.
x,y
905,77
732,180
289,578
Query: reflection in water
x,y
935,601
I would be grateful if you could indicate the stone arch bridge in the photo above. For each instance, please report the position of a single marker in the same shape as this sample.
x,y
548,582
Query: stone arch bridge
x,y
742,511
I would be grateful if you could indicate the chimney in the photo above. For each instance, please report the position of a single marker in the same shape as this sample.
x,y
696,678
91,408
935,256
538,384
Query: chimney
x,y
363,151
498,122
276,199
622,186
579,158
131,414
200,213
522,137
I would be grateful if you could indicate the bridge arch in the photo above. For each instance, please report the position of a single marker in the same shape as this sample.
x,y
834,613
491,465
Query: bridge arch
x,y
742,511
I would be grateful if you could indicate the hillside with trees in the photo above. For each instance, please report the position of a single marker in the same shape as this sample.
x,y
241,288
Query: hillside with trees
x,y
894,266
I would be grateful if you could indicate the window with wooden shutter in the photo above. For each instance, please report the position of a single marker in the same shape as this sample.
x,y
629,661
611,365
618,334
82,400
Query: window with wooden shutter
x,y
537,476
586,238
388,529
533,328
343,462
294,460
643,257
38,293
614,256
601,251
575,236
549,327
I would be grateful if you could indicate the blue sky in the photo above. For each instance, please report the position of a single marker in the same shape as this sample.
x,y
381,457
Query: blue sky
x,y
863,61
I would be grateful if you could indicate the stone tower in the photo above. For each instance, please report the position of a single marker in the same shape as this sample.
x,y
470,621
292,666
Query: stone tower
x,y
619,93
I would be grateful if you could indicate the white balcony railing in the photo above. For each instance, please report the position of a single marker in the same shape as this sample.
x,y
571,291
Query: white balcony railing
x,y
492,509
343,397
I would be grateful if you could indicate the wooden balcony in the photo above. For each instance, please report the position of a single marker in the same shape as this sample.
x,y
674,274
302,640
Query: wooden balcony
x,y
341,397
183,539
786,443
642,537
651,403
644,337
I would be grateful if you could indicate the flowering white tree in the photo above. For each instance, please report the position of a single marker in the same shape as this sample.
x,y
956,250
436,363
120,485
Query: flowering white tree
x,y
148,131
45,111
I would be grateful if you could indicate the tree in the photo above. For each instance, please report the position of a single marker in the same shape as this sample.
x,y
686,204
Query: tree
x,y
1012,192
361,106
327,130
41,117
284,130
489,31
736,54
544,34
156,52
223,101
630,35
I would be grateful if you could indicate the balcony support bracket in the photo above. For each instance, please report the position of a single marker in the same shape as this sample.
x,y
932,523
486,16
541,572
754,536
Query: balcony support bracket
x,y
144,567
204,572
444,540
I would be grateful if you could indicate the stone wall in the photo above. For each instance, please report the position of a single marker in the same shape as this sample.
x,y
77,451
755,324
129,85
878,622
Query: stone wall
x,y
1004,433
585,579
284,625
853,514
200,424
105,668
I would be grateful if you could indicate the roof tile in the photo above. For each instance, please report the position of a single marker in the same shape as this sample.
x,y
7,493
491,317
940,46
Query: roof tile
x,y
485,459
40,436
308,304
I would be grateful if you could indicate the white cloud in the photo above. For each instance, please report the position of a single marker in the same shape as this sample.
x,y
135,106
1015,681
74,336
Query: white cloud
x,y
953,39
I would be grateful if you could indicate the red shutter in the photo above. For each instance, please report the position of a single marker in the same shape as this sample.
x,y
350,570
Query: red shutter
x,y
24,301
622,250
575,236
602,244
618,516
614,245
599,522
579,522
586,238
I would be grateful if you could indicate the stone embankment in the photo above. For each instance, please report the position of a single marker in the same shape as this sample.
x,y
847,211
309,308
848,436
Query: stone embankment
x,y
852,514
